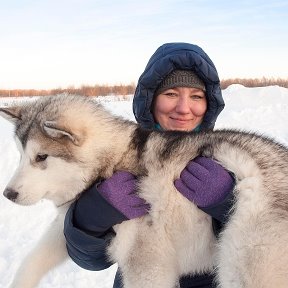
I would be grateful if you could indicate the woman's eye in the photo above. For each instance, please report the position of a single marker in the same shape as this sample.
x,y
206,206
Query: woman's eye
x,y
41,157
171,94
197,97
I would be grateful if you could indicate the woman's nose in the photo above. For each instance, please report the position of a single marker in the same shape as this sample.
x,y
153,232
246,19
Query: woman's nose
x,y
182,105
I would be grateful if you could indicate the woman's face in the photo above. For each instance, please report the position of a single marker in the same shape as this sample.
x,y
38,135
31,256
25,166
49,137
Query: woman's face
x,y
180,108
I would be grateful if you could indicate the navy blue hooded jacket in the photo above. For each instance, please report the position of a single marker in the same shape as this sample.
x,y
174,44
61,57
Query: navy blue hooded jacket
x,y
169,57
87,246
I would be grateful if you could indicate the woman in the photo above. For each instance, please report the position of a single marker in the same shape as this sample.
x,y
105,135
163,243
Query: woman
x,y
178,90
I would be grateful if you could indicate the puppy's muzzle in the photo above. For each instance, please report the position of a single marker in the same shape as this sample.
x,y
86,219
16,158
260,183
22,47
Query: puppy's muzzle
x,y
10,194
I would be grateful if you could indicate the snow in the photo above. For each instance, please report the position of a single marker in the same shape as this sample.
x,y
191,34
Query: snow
x,y
263,110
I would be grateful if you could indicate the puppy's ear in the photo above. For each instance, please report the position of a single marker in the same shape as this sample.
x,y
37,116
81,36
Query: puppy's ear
x,y
12,114
55,130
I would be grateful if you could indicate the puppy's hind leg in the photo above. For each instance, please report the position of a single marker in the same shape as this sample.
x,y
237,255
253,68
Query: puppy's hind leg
x,y
49,252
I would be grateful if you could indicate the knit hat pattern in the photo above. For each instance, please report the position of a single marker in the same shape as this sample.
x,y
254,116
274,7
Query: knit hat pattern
x,y
180,78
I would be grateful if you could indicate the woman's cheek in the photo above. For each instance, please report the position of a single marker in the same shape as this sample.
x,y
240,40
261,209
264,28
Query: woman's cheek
x,y
199,110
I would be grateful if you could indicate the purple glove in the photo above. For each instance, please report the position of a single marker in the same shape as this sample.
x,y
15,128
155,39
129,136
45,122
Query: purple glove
x,y
204,182
119,190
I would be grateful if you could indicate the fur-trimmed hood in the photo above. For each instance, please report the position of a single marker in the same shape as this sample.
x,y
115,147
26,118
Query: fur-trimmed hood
x,y
169,57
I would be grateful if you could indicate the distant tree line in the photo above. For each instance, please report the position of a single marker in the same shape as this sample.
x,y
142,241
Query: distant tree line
x,y
257,82
85,90
104,90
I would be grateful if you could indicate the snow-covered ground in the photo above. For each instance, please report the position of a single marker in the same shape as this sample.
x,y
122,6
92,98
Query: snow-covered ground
x,y
264,110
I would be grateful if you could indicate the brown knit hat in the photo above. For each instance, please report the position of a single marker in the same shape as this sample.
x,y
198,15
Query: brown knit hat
x,y
181,78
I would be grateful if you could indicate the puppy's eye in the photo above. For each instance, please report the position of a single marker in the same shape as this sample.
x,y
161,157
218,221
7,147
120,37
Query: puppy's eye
x,y
41,157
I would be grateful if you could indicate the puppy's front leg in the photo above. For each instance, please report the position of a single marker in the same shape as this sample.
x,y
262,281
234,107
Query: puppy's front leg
x,y
151,262
49,252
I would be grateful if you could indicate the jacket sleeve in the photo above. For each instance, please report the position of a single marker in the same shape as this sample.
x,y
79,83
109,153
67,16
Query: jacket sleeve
x,y
88,232
221,211
85,250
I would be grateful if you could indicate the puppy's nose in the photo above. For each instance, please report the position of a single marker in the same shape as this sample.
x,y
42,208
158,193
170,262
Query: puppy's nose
x,y
10,194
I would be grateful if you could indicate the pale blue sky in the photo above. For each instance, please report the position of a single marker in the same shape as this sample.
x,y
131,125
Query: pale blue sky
x,y
50,44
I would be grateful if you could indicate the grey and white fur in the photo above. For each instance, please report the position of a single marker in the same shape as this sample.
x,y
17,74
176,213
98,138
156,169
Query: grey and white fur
x,y
78,136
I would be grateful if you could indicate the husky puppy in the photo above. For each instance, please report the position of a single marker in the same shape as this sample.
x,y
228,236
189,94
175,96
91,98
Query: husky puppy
x,y
67,142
